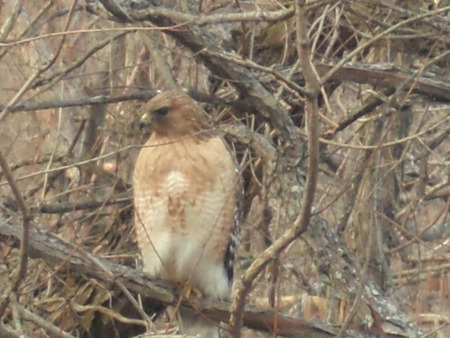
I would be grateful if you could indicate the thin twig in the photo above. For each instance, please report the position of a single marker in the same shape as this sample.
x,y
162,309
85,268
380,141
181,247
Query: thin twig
x,y
160,64
15,314
57,252
9,177
41,322
20,276
59,208
377,37
55,77
301,223
9,23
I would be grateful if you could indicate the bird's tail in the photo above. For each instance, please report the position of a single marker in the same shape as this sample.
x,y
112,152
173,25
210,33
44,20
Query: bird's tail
x,y
193,323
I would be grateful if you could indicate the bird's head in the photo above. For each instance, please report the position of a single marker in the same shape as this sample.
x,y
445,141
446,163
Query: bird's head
x,y
173,114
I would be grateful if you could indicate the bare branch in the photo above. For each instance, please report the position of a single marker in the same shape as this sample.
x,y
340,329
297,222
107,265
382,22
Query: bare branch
x,y
56,252
59,208
19,277
161,65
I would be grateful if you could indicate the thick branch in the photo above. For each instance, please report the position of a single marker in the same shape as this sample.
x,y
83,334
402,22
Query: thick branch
x,y
427,84
332,259
201,43
56,251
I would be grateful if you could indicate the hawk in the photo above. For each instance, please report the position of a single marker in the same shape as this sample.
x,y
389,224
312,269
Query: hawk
x,y
186,190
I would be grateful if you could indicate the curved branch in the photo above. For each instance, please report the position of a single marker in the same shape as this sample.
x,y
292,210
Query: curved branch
x,y
55,251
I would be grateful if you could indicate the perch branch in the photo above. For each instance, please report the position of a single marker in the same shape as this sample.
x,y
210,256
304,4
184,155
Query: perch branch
x,y
56,251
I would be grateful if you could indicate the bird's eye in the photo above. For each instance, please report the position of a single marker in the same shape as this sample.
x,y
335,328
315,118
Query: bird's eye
x,y
161,111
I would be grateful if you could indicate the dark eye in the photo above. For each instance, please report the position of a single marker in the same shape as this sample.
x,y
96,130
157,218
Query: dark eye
x,y
161,111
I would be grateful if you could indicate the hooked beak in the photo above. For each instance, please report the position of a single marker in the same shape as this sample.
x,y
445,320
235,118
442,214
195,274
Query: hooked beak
x,y
145,122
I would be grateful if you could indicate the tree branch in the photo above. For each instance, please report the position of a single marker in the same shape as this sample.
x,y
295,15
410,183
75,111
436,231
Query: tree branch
x,y
55,251
20,275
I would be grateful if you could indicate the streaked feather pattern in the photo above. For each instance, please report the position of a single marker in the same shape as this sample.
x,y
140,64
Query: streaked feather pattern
x,y
186,187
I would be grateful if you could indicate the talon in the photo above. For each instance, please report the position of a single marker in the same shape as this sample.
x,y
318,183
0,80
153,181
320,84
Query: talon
x,y
190,292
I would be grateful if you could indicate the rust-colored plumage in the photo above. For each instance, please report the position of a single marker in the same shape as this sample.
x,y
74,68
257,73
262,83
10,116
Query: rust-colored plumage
x,y
185,192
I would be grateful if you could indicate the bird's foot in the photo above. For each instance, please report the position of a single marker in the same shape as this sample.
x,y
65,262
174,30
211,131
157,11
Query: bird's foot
x,y
191,292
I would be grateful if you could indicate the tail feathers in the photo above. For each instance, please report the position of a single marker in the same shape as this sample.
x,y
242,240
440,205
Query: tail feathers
x,y
195,324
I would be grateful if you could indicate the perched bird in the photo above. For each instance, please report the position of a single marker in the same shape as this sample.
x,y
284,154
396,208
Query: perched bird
x,y
186,192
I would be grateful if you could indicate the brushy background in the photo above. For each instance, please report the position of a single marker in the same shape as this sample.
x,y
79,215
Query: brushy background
x,y
383,183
